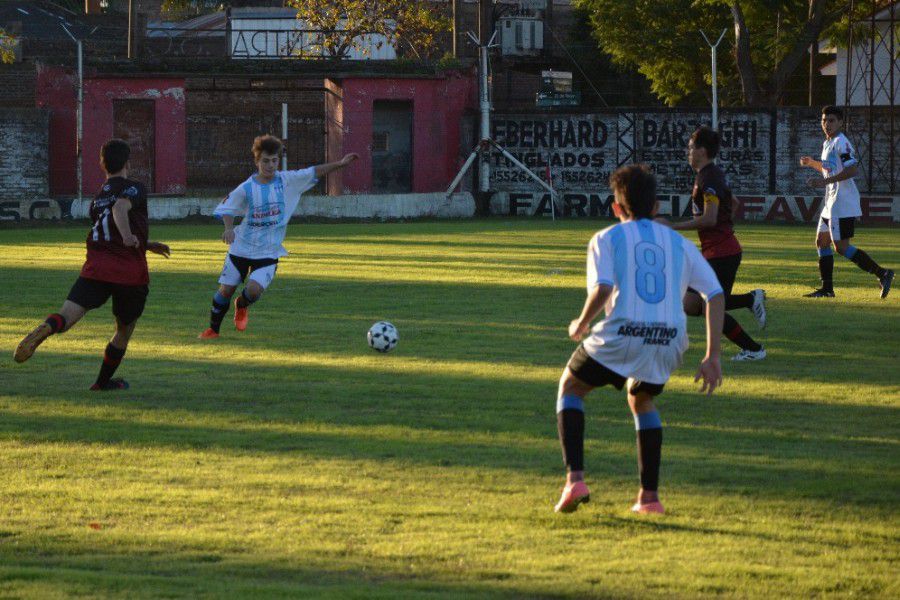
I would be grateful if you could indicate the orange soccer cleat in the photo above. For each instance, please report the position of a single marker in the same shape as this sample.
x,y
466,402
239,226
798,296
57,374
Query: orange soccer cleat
x,y
208,334
648,508
240,316
572,495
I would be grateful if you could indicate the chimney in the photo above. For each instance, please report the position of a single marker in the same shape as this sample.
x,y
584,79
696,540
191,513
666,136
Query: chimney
x,y
92,7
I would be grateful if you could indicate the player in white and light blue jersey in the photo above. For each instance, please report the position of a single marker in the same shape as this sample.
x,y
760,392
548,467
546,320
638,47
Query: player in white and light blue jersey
x,y
841,206
637,272
265,203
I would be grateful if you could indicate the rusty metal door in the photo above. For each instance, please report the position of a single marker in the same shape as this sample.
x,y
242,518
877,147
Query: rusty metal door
x,y
135,122
392,147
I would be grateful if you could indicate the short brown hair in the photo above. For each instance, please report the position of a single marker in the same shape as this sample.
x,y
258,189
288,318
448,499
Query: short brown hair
x,y
268,144
708,139
114,154
637,188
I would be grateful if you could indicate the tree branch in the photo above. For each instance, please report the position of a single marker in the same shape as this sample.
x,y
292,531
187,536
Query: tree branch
x,y
800,50
749,83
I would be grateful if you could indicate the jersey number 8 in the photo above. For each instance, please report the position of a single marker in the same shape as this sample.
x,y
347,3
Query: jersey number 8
x,y
650,279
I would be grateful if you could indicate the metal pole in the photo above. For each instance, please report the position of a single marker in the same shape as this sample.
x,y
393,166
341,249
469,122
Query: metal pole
x,y
284,135
130,29
813,50
715,85
485,170
80,116
871,111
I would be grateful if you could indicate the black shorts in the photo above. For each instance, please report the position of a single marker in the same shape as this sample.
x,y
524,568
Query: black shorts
x,y
593,373
725,268
128,300
846,227
246,265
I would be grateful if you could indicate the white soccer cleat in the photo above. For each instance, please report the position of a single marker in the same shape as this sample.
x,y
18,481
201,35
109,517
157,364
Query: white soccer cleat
x,y
759,307
750,355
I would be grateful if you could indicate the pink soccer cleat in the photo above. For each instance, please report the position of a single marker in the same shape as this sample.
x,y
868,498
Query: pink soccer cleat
x,y
573,495
649,508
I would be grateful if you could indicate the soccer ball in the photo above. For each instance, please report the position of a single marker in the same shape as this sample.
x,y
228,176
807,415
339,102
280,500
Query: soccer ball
x,y
383,336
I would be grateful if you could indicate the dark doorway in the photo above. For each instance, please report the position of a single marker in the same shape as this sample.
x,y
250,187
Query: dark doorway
x,y
392,146
135,122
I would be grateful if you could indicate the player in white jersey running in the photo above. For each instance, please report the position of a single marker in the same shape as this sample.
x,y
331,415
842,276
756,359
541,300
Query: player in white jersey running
x,y
841,206
637,272
265,201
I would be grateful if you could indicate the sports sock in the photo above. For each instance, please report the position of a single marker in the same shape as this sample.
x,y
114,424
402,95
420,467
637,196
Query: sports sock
x,y
570,425
244,301
56,321
826,268
111,359
733,301
863,261
649,448
219,308
734,332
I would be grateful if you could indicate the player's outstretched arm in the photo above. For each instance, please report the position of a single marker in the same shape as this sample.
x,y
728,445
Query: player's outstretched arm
x,y
159,248
706,220
326,168
809,161
593,304
120,217
710,370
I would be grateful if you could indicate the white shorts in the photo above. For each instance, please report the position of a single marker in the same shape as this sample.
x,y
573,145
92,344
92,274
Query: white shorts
x,y
839,229
237,268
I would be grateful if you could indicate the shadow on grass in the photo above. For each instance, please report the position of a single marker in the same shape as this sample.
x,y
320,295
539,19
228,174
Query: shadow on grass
x,y
745,444
101,569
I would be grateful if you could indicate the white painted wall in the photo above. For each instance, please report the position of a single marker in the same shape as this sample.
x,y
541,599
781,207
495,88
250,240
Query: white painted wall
x,y
283,36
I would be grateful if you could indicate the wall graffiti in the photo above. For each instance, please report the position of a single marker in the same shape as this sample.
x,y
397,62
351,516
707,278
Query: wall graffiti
x,y
48,209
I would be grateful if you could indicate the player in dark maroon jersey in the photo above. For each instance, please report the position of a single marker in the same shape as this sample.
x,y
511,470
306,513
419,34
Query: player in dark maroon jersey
x,y
116,265
712,203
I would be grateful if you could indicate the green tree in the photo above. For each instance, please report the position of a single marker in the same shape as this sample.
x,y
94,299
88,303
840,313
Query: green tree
x,y
768,41
7,47
414,24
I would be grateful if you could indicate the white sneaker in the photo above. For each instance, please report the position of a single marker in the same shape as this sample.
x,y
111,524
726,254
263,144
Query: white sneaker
x,y
759,307
750,355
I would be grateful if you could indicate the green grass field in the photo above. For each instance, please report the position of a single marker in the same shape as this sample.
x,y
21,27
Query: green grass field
x,y
292,461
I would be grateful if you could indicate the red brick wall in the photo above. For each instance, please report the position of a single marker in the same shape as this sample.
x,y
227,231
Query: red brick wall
x,y
438,107
168,94
55,90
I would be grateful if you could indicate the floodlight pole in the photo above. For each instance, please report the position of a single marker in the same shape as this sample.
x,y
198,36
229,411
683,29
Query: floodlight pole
x,y
715,87
482,150
79,107
485,105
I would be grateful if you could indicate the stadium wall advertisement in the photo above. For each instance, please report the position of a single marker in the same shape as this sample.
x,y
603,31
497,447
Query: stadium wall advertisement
x,y
759,207
760,151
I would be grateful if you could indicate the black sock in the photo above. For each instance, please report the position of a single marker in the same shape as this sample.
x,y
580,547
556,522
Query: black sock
x,y
56,321
244,301
111,359
865,262
826,268
734,332
570,425
733,301
219,308
649,448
